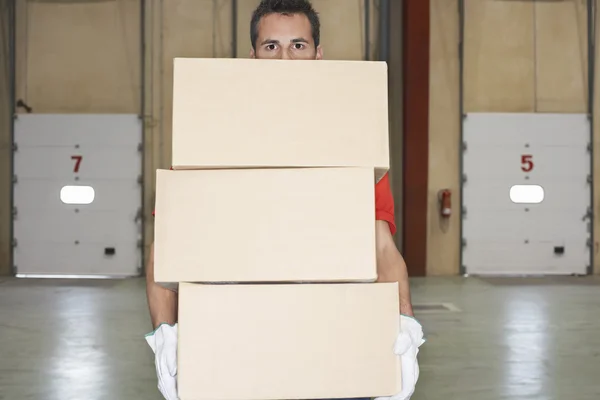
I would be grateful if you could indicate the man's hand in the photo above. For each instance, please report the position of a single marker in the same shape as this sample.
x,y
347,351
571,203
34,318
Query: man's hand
x,y
391,266
407,348
163,342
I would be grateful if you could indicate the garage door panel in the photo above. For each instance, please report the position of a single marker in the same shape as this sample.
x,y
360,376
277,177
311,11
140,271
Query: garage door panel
x,y
559,196
96,228
72,259
515,257
87,162
521,225
77,129
82,226
547,163
522,128
504,150
109,195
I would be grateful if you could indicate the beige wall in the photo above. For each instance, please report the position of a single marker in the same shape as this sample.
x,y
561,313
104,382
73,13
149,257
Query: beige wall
x,y
77,57
518,57
84,57
5,141
444,132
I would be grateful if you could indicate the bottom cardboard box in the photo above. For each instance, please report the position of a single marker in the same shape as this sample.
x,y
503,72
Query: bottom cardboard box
x,y
287,341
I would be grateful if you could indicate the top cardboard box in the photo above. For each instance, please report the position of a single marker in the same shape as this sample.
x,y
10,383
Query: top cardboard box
x,y
248,113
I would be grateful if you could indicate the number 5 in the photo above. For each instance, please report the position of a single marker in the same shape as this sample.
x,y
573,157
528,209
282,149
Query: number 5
x,y
526,162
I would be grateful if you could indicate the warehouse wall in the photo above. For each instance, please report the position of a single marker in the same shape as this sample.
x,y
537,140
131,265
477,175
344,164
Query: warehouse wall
x,y
84,57
5,139
92,50
519,56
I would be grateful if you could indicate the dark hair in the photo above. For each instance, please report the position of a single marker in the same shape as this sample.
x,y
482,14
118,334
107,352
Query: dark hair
x,y
285,7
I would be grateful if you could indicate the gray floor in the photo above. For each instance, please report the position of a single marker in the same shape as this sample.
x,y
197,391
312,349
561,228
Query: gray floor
x,y
521,339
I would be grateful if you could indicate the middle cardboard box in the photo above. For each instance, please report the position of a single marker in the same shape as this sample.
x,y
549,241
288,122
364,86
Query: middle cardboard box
x,y
265,225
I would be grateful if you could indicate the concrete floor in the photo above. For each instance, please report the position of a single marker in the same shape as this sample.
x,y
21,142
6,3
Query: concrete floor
x,y
520,339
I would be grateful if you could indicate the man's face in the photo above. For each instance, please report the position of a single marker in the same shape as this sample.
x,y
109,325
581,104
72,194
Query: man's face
x,y
286,37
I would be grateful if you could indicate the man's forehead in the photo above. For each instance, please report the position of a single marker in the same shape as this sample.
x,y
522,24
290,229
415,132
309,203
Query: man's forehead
x,y
288,27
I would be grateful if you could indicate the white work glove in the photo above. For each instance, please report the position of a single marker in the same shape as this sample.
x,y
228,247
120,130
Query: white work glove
x,y
407,347
163,341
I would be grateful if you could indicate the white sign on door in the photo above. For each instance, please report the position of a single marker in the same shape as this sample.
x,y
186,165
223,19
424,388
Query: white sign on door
x,y
77,195
526,194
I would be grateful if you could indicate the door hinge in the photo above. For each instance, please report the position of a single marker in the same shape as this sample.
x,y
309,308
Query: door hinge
x,y
15,179
588,214
589,147
15,147
464,211
14,242
464,146
464,242
139,243
589,179
14,212
140,147
464,178
588,242
140,179
138,215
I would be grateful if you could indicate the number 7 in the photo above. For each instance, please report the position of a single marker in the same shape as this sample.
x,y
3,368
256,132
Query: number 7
x,y
77,163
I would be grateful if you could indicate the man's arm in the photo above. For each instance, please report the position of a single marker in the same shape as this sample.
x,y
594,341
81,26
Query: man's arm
x,y
391,266
161,302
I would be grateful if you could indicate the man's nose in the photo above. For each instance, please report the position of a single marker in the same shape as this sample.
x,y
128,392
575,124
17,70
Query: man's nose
x,y
285,55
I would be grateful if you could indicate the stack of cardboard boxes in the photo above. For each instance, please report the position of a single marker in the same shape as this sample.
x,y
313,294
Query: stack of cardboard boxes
x,y
267,223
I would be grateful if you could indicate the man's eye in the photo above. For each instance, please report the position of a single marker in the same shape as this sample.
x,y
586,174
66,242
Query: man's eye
x,y
270,47
298,46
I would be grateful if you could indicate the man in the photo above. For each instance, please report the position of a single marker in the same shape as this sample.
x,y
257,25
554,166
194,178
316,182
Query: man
x,y
290,29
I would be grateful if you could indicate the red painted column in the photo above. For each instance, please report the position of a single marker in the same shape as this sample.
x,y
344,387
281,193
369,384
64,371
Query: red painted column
x,y
415,30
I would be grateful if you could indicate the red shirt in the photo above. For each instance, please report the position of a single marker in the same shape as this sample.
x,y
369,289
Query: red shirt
x,y
384,203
